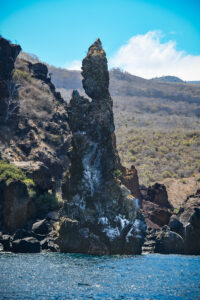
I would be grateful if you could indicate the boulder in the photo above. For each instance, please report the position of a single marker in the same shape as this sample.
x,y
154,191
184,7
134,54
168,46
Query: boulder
x,y
72,237
189,216
155,206
155,216
158,194
175,225
6,240
39,70
53,215
168,242
48,245
41,227
26,245
21,233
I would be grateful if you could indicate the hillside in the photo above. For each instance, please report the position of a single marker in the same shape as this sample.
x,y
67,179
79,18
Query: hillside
x,y
157,122
168,79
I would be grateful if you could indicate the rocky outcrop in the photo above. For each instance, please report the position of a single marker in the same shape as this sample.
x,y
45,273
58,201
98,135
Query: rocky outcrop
x,y
155,206
26,245
101,215
34,237
181,235
40,142
8,55
35,140
187,224
16,203
168,242
130,179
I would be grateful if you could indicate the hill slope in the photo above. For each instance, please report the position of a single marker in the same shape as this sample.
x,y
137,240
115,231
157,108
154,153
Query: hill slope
x,y
157,122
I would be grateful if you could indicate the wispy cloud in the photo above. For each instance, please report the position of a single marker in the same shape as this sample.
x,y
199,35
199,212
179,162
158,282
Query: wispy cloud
x,y
147,56
73,65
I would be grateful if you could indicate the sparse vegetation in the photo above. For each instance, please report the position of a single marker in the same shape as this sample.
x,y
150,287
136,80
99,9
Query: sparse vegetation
x,y
9,173
20,75
161,154
117,173
48,201
157,122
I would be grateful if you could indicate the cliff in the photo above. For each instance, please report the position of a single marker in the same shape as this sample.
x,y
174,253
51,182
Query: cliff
x,y
34,139
101,216
62,185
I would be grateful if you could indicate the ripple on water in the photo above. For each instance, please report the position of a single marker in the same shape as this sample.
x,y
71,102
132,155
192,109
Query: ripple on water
x,y
55,276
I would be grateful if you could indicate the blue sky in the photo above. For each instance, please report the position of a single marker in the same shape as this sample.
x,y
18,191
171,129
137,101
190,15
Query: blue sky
x,y
60,31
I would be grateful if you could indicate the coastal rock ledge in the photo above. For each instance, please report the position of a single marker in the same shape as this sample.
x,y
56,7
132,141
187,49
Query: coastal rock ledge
x,y
100,215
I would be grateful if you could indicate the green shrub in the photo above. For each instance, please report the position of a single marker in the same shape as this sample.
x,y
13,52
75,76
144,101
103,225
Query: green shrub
x,y
30,186
9,173
19,75
117,173
47,201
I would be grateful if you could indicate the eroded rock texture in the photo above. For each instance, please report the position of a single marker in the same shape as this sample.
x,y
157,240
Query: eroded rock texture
x,y
34,137
102,215
156,208
8,55
187,224
40,140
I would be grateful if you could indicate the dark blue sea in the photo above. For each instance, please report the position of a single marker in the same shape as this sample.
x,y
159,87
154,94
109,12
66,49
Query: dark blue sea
x,y
71,276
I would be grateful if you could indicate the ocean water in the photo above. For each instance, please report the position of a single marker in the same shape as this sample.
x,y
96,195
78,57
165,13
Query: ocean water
x,y
56,276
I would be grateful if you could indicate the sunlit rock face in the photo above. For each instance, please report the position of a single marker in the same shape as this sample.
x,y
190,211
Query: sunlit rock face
x,y
105,217
8,55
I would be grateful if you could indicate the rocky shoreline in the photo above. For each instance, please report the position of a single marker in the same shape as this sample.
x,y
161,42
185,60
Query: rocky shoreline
x,y
62,186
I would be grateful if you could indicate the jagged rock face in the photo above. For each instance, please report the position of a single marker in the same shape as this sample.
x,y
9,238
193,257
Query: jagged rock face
x,y
187,224
104,215
168,242
156,208
95,72
34,136
16,204
8,55
40,140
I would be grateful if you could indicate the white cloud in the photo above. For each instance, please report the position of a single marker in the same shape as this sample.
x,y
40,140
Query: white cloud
x,y
146,56
73,65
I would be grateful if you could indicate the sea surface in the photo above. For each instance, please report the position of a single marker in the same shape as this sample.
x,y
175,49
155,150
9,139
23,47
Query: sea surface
x,y
72,276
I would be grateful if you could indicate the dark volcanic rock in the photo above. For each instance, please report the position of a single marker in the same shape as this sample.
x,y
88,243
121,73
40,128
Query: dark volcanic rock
x,y
26,245
155,215
169,242
158,194
189,217
21,233
155,206
48,245
41,227
39,70
183,233
100,209
5,240
8,55
95,72
41,141
16,201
